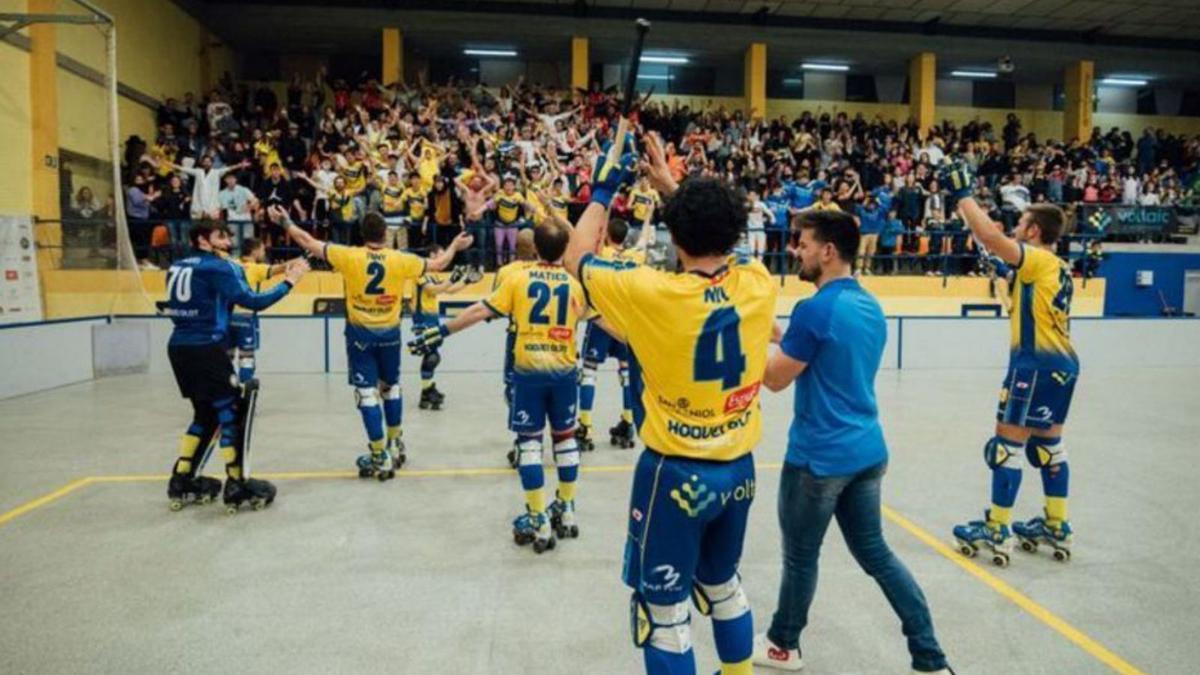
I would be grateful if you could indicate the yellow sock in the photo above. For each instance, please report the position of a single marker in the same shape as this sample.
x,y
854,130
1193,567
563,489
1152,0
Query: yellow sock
x,y
566,491
229,454
426,383
187,450
740,668
1000,515
1056,510
627,416
536,500
394,432
585,418
377,446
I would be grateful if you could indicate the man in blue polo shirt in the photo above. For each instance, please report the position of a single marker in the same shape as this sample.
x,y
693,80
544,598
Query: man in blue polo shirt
x,y
836,454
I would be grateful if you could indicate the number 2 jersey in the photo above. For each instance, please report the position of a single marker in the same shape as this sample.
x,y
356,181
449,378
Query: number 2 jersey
x,y
699,350
1041,308
201,292
375,281
544,305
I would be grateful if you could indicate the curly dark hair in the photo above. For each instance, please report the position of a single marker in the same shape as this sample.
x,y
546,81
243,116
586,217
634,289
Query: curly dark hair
x,y
705,217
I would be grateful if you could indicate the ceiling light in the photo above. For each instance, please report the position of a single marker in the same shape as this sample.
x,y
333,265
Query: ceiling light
x,y
490,52
1124,82
979,74
654,77
672,60
793,80
828,67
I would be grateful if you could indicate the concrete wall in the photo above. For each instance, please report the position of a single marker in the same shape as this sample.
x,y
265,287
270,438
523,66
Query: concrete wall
x,y
34,357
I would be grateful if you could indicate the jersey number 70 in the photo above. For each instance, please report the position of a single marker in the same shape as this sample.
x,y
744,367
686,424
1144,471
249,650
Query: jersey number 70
x,y
719,350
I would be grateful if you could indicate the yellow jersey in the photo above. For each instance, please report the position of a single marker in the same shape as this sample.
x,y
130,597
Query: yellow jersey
x,y
1041,308
642,202
393,200
544,304
374,280
536,207
267,155
428,166
426,307
342,203
633,255
508,207
415,202
355,174
698,348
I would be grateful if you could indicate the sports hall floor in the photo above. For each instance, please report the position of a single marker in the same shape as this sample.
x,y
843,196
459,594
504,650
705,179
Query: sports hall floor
x,y
420,575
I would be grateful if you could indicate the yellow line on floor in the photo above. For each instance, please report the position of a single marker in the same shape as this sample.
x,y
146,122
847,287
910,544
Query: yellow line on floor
x,y
43,500
1087,644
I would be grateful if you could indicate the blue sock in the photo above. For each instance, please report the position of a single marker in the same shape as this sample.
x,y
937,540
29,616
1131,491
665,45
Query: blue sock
x,y
1056,479
659,662
734,638
372,419
393,411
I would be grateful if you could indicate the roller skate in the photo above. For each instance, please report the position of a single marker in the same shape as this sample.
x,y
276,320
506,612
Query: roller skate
x,y
984,534
431,398
1039,531
533,528
396,450
583,437
376,465
184,489
621,435
257,493
562,519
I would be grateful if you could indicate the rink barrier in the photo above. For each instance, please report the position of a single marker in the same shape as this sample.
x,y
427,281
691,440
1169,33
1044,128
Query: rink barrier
x,y
35,356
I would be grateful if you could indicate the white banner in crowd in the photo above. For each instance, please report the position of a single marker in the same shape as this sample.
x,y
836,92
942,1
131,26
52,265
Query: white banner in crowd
x,y
20,300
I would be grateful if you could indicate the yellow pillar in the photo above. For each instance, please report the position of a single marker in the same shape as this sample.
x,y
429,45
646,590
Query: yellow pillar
x,y
755,81
922,90
43,109
1077,110
580,65
393,56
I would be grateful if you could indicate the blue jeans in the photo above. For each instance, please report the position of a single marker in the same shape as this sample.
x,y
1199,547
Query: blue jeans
x,y
806,505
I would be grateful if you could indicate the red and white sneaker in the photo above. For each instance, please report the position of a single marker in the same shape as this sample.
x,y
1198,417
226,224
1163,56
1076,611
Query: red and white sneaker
x,y
770,655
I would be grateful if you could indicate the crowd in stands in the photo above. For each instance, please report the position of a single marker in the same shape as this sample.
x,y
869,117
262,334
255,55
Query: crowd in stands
x,y
435,159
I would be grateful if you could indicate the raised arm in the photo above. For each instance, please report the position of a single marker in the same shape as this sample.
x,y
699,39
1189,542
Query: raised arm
x,y
607,179
442,260
310,244
989,233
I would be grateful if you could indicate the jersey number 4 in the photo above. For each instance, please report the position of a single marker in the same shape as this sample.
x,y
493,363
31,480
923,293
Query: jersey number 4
x,y
375,270
179,284
719,350
540,294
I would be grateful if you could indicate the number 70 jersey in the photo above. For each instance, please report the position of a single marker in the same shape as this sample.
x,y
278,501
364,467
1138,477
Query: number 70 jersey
x,y
699,346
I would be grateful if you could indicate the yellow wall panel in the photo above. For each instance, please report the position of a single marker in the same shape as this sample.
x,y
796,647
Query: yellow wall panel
x,y
16,189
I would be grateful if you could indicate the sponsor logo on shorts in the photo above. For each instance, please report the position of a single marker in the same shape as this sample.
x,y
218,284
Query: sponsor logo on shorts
x,y
1043,413
693,497
636,514
670,579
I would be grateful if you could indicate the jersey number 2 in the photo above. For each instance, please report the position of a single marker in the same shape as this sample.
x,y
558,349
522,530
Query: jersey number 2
x,y
540,293
376,271
719,350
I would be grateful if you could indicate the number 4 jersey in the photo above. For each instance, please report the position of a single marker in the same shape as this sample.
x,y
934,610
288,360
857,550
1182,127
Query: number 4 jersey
x,y
545,305
699,346
1042,289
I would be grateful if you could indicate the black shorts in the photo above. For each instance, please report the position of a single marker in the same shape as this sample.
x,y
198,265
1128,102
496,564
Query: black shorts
x,y
203,372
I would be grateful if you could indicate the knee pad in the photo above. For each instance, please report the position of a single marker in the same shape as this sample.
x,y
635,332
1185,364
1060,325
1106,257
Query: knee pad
x,y
1000,452
566,452
366,397
529,452
430,361
723,602
664,627
391,392
1043,452
587,376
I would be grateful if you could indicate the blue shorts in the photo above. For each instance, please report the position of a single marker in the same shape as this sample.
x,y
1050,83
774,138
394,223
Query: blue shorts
x,y
372,357
534,403
243,331
1037,399
599,345
687,521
